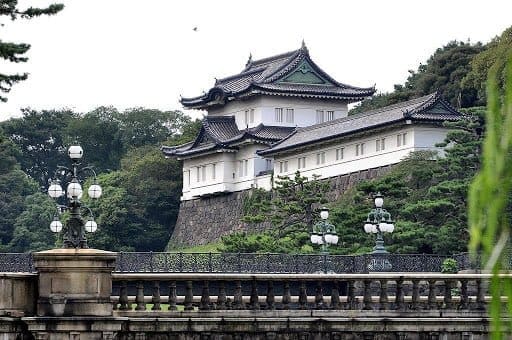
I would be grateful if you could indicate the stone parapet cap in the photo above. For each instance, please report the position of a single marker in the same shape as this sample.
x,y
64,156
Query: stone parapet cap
x,y
66,252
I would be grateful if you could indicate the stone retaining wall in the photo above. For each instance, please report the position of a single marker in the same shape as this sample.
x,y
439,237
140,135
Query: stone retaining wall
x,y
205,220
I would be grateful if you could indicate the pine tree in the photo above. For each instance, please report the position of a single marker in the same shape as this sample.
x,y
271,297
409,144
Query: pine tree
x,y
14,52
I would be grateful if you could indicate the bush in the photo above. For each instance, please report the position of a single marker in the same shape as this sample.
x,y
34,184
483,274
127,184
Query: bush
x,y
449,266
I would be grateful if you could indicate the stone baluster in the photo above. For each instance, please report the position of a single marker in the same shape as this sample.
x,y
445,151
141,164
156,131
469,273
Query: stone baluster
x,y
139,297
432,303
480,292
286,295
155,299
303,296
172,295
367,295
205,297
448,303
415,294
237,297
254,301
221,299
319,296
399,298
383,298
124,304
351,295
464,299
270,295
335,296
189,296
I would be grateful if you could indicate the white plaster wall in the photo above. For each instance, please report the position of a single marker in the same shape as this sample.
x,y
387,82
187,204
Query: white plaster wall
x,y
227,169
264,110
417,138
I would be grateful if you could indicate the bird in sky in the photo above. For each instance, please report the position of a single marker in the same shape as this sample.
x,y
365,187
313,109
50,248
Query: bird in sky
x,y
194,29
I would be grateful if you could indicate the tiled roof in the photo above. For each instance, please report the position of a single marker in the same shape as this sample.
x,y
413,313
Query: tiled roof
x,y
223,133
427,108
265,76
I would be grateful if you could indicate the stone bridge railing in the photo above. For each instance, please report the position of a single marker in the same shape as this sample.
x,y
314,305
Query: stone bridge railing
x,y
198,292
76,294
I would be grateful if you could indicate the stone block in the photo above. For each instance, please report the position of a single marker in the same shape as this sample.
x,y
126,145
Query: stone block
x,y
79,277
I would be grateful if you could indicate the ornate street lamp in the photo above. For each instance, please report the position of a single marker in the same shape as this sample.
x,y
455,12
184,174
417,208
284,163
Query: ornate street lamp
x,y
379,222
324,233
74,236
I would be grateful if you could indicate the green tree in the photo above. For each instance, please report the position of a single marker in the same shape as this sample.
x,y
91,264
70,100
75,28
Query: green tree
x,y
41,136
99,133
494,55
490,205
15,52
141,126
32,226
291,209
15,185
140,203
444,71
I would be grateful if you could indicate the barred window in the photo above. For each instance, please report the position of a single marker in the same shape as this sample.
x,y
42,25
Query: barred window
x,y
339,153
290,115
279,114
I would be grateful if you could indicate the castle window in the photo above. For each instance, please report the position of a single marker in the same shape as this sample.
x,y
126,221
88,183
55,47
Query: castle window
x,y
320,158
329,116
188,177
214,166
246,167
380,144
319,116
401,139
339,153
240,168
359,149
279,114
268,164
251,116
203,173
283,166
289,115
198,174
301,162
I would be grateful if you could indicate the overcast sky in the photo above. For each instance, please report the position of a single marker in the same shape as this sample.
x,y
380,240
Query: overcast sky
x,y
129,53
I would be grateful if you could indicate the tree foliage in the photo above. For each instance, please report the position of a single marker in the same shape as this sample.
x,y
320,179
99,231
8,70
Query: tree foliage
x,y
444,71
490,203
141,188
291,210
15,52
495,55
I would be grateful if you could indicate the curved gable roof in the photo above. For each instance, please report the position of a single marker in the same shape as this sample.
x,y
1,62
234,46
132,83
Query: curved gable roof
x,y
275,76
427,108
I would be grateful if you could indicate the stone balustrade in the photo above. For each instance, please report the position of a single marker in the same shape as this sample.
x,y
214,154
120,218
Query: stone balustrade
x,y
136,293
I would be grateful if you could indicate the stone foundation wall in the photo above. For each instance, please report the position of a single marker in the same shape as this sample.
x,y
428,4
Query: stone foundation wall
x,y
205,220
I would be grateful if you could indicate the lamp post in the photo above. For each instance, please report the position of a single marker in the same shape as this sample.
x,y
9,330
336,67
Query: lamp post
x,y
324,233
379,222
74,234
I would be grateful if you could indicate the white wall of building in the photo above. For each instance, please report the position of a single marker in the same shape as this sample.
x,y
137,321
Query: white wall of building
x,y
264,111
235,171
416,138
223,172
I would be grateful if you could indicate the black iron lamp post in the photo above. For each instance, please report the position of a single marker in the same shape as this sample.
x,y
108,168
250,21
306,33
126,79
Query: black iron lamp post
x,y
379,222
76,226
324,233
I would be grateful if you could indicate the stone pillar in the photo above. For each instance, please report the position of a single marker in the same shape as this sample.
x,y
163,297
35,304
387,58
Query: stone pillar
x,y
74,282
18,292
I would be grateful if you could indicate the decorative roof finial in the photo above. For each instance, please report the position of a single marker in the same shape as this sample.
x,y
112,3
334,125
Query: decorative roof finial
x,y
249,61
303,47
